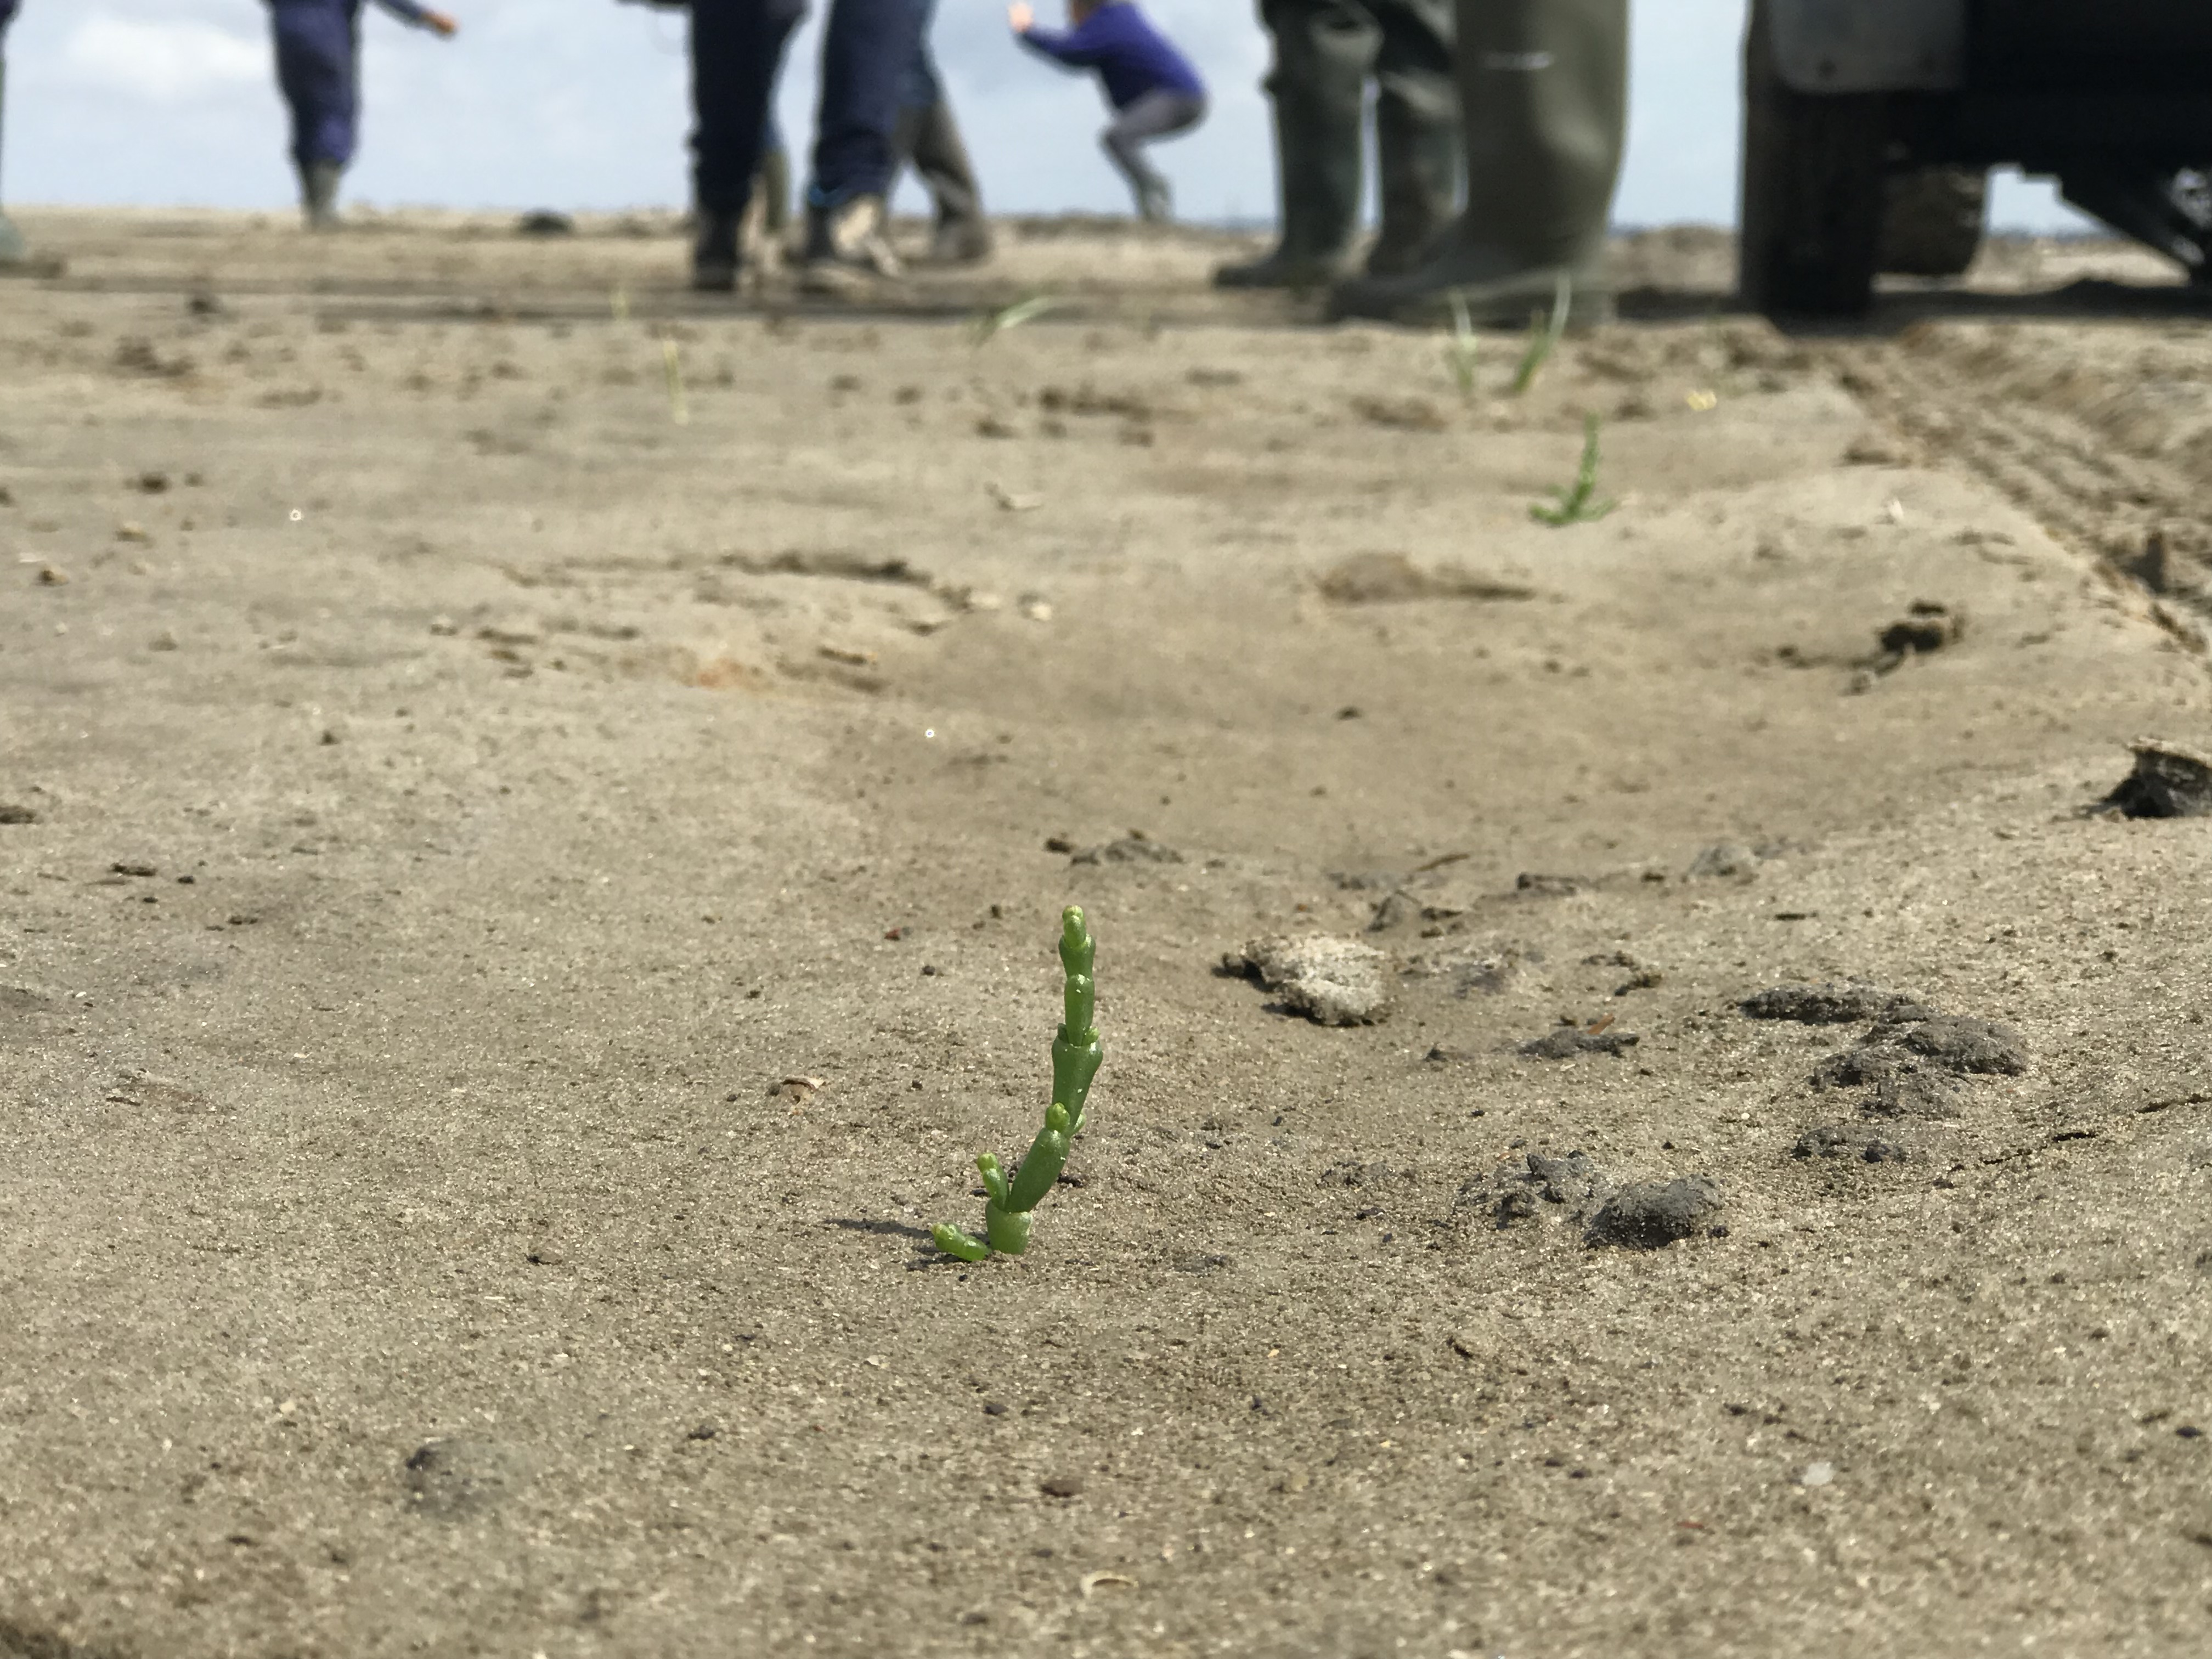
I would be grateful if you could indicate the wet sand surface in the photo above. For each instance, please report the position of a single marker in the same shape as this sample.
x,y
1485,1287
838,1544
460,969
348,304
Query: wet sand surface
x,y
534,808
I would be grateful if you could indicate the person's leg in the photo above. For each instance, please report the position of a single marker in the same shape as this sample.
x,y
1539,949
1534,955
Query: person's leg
x,y
1154,116
13,250
1323,50
927,137
1417,135
1544,105
964,230
736,47
316,53
867,48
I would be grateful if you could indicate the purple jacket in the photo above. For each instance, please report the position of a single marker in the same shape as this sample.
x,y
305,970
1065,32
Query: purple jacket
x,y
1131,56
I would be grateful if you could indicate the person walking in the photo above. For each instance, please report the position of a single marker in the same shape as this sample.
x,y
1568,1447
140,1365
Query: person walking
x,y
1325,51
13,250
318,72
737,51
928,138
1155,92
1544,85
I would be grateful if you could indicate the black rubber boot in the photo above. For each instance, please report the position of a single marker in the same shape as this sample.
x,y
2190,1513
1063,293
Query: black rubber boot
x,y
772,189
1417,134
929,139
716,253
1318,87
318,194
1544,96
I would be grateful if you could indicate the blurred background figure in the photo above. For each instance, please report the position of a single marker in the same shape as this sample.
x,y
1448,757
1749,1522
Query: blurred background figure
x,y
1544,84
319,71
867,53
737,54
929,139
737,150
1326,53
13,250
1154,91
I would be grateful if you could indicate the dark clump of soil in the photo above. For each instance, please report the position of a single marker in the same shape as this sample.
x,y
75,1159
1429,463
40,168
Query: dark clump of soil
x,y
1521,1189
1129,849
1926,626
1848,1140
1649,1215
1569,1040
2169,781
1958,1044
1834,1005
1908,1067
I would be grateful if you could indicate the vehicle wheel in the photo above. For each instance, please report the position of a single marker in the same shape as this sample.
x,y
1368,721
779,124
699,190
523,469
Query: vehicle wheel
x,y
1810,225
1931,223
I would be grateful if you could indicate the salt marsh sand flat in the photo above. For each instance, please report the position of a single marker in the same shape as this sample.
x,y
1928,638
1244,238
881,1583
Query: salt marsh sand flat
x,y
518,912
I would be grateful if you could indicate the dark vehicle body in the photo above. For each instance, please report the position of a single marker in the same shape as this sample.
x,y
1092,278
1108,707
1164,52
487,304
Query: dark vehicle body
x,y
1870,127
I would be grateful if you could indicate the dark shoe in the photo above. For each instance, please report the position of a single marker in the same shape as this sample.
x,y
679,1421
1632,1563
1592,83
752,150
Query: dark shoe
x,y
714,254
847,252
318,194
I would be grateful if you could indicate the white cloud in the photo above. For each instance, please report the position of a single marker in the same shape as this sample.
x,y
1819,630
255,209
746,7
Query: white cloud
x,y
160,62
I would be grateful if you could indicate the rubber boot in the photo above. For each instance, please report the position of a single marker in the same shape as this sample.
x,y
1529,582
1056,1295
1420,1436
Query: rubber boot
x,y
1417,133
845,251
772,189
1318,96
1544,96
13,250
715,253
318,194
929,138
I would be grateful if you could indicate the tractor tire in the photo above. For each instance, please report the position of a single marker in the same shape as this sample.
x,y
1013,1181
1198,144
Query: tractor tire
x,y
1811,216
1931,223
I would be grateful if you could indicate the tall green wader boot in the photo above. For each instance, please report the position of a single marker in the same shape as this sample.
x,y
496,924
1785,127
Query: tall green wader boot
x,y
1318,86
13,250
1544,99
1417,132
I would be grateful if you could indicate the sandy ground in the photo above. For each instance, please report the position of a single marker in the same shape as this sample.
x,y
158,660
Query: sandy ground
x,y
519,911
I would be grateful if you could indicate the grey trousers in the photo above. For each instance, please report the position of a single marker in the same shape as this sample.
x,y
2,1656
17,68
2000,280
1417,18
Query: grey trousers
x,y
1156,115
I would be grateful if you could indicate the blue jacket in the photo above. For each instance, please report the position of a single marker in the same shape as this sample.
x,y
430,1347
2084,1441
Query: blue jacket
x,y
1130,55
7,11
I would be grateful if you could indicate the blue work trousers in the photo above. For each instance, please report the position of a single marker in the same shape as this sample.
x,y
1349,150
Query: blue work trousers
x,y
318,70
737,48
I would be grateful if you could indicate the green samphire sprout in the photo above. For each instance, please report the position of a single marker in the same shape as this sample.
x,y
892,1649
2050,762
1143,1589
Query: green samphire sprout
x,y
1011,1203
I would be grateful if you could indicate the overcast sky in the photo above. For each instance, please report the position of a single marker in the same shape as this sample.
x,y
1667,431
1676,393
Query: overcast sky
x,y
582,104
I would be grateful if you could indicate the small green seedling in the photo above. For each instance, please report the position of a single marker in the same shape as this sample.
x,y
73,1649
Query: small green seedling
x,y
1076,1056
1459,355
1543,336
679,411
1578,503
991,323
